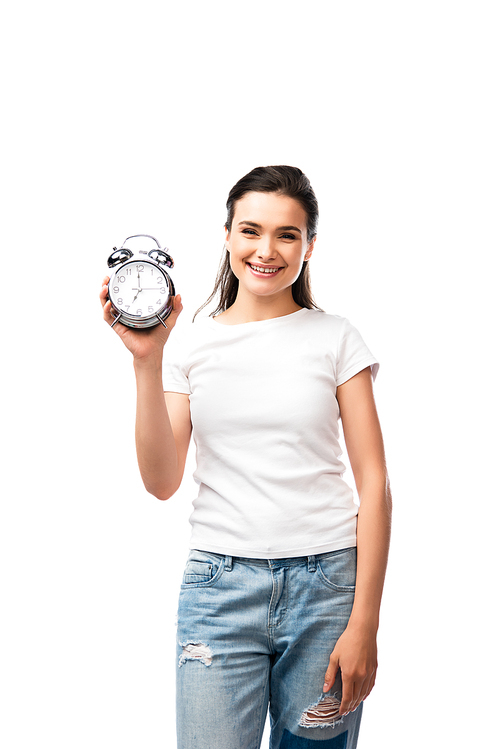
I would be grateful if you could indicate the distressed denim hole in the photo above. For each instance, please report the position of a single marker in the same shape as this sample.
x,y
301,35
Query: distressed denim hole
x,y
321,715
195,651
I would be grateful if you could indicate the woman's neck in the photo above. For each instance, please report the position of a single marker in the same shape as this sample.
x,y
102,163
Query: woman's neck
x,y
255,309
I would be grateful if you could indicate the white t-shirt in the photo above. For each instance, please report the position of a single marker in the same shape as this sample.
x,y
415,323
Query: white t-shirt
x,y
265,423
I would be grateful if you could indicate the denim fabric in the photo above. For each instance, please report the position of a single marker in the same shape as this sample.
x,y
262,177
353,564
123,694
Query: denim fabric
x,y
257,634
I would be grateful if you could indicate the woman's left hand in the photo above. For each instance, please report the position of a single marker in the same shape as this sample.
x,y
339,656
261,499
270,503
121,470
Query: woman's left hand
x,y
356,655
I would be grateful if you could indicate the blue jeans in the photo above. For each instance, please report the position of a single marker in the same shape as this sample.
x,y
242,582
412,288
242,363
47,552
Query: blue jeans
x,y
255,634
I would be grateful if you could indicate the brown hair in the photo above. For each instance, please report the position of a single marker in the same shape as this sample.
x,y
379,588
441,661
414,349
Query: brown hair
x,y
284,180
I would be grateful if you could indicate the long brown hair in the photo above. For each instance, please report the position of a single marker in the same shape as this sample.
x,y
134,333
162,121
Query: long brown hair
x,y
284,180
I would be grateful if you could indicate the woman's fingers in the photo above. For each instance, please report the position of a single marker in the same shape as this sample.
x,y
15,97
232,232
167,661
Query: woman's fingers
x,y
106,304
331,673
103,294
349,695
355,654
176,310
148,341
354,692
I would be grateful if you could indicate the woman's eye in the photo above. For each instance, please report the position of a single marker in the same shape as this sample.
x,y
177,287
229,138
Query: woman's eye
x,y
248,231
288,236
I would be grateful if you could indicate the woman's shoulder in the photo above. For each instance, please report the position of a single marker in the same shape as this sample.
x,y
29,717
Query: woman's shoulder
x,y
325,320
335,329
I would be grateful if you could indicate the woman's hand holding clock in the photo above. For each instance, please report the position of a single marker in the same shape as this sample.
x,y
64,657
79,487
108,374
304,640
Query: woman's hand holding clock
x,y
147,343
161,453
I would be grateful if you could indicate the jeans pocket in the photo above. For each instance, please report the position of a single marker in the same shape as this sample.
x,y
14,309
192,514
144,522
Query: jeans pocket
x,y
338,570
202,569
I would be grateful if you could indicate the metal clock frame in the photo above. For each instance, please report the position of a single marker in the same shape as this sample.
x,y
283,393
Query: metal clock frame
x,y
157,258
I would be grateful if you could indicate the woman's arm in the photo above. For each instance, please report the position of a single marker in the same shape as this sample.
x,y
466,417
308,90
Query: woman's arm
x,y
356,650
162,431
163,421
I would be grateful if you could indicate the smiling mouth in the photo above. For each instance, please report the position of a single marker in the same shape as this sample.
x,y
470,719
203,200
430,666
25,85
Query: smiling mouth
x,y
263,270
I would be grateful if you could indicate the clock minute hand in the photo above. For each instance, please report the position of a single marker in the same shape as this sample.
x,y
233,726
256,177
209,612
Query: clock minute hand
x,y
139,287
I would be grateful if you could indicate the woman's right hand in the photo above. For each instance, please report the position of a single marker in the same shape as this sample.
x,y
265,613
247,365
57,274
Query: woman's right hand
x,y
146,343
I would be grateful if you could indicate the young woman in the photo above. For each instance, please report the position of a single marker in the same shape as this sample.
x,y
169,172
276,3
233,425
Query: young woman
x,y
279,604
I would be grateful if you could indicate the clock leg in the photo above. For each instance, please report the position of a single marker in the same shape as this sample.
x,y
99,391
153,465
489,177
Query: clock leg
x,y
159,318
115,321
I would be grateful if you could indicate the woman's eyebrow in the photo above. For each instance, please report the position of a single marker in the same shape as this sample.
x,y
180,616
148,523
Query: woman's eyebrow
x,y
279,228
289,228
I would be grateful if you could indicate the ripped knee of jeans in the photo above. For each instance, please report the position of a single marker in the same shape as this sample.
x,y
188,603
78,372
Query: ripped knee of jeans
x,y
323,714
195,651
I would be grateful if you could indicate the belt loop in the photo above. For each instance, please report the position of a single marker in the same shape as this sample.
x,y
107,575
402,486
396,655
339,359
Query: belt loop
x,y
311,563
228,563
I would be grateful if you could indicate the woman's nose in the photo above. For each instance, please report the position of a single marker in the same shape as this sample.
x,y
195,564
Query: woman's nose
x,y
266,249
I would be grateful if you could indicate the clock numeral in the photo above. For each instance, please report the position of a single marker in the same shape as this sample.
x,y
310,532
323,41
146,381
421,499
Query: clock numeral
x,y
116,289
159,279
120,279
159,301
150,310
128,271
140,268
139,312
119,301
163,290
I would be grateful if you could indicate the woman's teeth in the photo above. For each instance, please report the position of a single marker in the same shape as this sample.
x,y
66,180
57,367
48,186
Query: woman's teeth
x,y
263,270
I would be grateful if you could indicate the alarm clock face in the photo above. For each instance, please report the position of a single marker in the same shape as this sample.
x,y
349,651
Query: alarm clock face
x,y
140,290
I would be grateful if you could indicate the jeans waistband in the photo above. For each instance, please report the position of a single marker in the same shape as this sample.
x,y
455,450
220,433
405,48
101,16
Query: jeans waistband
x,y
309,560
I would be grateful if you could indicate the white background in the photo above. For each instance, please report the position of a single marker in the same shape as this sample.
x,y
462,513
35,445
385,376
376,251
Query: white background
x,y
122,118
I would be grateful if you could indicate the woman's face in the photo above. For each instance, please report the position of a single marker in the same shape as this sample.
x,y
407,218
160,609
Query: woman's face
x,y
268,243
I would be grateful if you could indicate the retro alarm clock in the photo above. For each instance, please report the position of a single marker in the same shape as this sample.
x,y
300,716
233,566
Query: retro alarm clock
x,y
140,290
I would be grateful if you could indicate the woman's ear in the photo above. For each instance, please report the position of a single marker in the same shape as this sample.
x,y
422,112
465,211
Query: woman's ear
x,y
226,244
310,249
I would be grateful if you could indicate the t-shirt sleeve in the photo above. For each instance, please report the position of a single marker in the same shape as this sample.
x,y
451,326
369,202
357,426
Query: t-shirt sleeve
x,y
175,371
353,355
